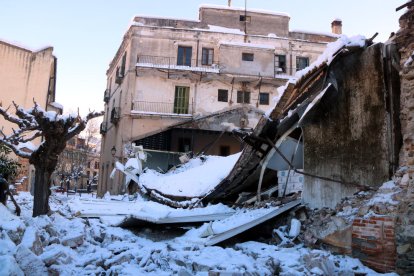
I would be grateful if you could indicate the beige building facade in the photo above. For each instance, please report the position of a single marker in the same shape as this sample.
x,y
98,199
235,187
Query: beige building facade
x,y
27,76
169,73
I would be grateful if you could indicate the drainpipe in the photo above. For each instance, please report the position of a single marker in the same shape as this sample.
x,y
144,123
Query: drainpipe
x,y
245,21
198,45
291,57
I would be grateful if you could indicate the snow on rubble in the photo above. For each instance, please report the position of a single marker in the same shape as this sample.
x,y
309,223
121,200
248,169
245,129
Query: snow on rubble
x,y
67,245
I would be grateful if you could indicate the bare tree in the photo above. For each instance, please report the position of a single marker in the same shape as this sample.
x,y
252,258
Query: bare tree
x,y
55,130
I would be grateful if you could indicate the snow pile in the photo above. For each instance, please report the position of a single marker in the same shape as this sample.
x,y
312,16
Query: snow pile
x,y
63,244
185,181
385,194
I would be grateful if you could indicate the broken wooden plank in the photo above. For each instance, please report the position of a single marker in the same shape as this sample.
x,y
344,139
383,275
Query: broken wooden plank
x,y
219,237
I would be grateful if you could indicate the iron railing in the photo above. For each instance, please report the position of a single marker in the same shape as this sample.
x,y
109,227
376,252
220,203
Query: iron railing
x,y
107,95
115,114
162,107
174,63
103,128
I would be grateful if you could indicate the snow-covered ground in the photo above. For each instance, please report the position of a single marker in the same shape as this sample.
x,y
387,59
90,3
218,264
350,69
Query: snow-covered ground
x,y
67,245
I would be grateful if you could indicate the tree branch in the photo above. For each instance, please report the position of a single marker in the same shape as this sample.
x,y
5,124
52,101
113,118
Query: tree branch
x,y
15,149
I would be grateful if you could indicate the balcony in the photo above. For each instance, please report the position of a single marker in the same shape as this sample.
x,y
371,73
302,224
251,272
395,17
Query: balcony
x,y
118,79
107,95
103,128
115,115
170,63
162,109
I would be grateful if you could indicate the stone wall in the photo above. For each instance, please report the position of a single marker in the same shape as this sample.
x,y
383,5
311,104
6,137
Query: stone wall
x,y
405,220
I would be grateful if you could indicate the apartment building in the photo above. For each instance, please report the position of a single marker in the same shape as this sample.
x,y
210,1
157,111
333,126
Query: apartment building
x,y
25,76
177,85
78,163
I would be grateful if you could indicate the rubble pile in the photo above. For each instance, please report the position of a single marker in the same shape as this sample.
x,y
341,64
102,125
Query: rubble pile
x,y
64,244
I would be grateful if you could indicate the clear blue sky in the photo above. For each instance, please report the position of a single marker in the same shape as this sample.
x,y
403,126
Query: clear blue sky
x,y
85,34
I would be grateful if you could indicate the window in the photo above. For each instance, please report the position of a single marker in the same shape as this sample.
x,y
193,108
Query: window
x,y
184,55
247,56
264,98
244,18
96,165
243,97
301,63
123,63
223,95
184,144
207,56
181,99
280,63
224,150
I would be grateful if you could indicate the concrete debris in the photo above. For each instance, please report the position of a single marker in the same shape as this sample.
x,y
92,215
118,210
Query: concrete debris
x,y
29,262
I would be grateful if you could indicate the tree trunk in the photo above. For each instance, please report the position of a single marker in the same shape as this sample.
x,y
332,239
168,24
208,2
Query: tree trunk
x,y
41,191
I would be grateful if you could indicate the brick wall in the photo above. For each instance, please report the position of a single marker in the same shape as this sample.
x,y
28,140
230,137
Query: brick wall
x,y
373,242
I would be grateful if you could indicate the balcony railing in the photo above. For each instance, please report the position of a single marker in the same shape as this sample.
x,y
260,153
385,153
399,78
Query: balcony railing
x,y
115,115
172,63
107,95
154,108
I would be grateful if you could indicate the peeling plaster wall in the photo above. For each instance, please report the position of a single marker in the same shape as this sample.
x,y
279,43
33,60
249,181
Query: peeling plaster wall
x,y
347,139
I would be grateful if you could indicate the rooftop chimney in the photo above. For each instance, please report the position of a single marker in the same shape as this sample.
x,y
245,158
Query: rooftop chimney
x,y
229,3
336,26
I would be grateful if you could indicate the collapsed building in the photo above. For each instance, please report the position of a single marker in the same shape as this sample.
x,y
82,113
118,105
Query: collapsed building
x,y
170,74
349,119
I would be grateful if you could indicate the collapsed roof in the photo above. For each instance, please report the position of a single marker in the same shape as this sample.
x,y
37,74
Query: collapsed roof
x,y
300,100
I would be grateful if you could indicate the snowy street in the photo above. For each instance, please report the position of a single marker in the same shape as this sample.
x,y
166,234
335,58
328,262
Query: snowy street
x,y
63,244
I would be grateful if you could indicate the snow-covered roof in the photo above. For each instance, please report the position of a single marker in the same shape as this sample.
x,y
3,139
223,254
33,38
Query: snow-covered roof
x,y
315,33
250,45
219,7
56,105
165,17
221,29
24,47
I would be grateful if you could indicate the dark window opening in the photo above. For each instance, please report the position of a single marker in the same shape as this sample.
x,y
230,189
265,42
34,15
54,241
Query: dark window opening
x,y
123,64
280,63
301,63
207,56
223,95
264,98
184,55
184,144
243,97
244,18
224,150
247,56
